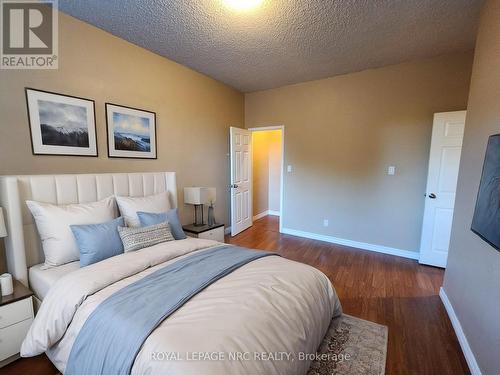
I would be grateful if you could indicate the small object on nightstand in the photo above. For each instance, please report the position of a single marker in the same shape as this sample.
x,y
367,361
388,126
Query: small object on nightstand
x,y
211,217
214,232
6,285
16,316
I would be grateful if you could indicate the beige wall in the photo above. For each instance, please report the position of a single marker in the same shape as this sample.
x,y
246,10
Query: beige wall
x,y
266,149
260,172
193,112
274,170
472,279
342,133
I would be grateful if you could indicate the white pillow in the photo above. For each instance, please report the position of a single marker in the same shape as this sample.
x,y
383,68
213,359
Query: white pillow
x,y
52,222
129,206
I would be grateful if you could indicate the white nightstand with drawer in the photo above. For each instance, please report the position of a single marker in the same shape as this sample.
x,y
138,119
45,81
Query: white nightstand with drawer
x,y
214,232
16,316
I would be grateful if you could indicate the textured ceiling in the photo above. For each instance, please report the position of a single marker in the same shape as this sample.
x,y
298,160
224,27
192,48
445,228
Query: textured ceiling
x,y
286,41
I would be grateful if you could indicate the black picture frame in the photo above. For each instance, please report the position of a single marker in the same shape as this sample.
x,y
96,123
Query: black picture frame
x,y
111,108
34,124
486,219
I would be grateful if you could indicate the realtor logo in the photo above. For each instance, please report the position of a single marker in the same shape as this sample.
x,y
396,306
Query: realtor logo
x,y
29,34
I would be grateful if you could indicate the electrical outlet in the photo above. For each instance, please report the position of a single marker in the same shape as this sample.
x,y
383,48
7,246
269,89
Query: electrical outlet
x,y
325,222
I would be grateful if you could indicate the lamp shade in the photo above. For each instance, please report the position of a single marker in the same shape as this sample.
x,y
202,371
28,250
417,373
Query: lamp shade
x,y
199,195
3,229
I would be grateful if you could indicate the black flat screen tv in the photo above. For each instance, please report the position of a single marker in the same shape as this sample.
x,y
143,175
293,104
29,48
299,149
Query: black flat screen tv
x,y
486,220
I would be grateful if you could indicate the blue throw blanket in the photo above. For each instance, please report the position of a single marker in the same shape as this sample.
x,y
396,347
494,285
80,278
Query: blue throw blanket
x,y
115,331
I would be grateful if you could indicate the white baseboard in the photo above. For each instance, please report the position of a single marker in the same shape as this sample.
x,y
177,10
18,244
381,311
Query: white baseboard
x,y
265,213
261,215
462,339
359,245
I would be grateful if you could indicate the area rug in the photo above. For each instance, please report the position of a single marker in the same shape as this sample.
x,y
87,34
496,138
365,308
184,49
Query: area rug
x,y
352,346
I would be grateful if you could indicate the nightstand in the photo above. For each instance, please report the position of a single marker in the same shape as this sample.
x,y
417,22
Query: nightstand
x,y
214,232
16,316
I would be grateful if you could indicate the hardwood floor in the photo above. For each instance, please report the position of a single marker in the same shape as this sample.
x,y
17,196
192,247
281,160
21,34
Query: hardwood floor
x,y
385,289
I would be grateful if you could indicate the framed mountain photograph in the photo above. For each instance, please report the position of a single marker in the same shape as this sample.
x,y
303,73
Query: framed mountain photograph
x,y
61,124
131,132
486,220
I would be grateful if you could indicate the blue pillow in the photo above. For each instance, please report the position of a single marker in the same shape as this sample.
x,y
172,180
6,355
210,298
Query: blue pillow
x,y
98,241
149,218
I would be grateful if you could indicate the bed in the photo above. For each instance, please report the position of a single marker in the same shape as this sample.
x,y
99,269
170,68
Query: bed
x,y
257,319
41,279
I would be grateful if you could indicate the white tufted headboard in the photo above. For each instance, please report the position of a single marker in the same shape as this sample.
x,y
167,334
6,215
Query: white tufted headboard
x,y
22,245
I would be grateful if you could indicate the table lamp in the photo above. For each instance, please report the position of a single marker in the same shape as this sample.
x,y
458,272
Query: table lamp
x,y
199,196
3,229
6,286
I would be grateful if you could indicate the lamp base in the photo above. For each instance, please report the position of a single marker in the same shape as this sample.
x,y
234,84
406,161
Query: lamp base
x,y
211,218
198,215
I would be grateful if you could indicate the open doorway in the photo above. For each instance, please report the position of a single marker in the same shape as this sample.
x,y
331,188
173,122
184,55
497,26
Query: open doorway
x,y
267,171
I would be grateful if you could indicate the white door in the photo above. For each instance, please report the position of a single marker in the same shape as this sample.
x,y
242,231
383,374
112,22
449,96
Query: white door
x,y
444,161
241,180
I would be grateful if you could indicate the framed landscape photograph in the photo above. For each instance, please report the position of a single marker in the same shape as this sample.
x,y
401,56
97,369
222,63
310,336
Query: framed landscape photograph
x,y
486,220
131,132
61,124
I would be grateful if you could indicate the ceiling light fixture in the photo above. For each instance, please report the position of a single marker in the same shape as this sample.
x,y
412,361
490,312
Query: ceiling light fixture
x,y
242,5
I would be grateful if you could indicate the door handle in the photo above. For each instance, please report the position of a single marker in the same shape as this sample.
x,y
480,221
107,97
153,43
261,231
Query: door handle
x,y
432,196
234,186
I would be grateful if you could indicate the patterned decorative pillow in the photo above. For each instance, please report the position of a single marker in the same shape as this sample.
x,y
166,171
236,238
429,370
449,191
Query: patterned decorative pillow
x,y
139,238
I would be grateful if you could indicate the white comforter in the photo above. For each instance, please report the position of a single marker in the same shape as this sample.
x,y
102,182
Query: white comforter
x,y
270,311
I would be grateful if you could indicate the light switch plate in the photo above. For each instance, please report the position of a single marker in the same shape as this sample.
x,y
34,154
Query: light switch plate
x,y
289,168
391,171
